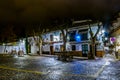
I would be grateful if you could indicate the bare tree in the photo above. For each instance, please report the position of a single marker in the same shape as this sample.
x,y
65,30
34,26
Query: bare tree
x,y
37,35
64,30
91,55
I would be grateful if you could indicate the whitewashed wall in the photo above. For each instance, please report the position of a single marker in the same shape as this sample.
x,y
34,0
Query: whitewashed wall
x,y
56,37
57,45
9,48
46,48
34,48
19,46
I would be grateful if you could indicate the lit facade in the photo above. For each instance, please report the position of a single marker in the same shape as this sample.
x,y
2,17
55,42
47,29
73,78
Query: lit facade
x,y
78,41
13,46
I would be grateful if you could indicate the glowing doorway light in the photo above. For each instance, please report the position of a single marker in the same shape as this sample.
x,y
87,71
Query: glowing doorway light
x,y
77,37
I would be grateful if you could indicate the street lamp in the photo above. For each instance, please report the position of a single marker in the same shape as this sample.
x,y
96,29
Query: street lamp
x,y
106,38
104,35
101,34
103,31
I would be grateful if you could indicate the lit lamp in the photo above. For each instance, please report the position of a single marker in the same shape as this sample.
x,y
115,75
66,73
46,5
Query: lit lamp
x,y
106,38
78,37
112,39
101,33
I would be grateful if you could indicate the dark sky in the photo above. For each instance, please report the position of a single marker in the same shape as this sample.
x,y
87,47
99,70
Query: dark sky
x,y
23,15
30,11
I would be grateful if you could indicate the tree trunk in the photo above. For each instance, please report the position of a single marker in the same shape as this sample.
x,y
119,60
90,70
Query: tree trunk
x,y
64,39
64,45
64,57
40,48
93,51
91,55
40,45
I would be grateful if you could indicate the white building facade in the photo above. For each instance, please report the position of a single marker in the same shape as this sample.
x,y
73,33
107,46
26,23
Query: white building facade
x,y
78,41
13,46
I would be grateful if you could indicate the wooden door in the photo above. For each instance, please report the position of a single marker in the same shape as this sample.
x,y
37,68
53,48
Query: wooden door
x,y
51,50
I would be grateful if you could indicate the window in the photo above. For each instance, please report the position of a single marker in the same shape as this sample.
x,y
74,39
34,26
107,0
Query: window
x,y
84,36
72,36
56,47
83,33
73,47
84,50
51,37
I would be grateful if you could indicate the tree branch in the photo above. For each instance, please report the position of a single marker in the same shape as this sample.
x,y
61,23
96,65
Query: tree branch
x,y
91,33
99,25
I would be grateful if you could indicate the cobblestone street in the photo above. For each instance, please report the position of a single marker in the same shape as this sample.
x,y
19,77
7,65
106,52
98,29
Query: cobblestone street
x,y
49,68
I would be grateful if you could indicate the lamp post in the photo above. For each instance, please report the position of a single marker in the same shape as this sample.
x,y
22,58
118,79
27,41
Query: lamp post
x,y
102,34
102,40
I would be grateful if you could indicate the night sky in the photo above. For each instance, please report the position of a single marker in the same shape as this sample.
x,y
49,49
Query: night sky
x,y
27,11
19,13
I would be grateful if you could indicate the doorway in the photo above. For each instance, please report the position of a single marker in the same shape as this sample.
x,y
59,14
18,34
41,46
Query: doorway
x,y
29,48
84,50
61,47
51,50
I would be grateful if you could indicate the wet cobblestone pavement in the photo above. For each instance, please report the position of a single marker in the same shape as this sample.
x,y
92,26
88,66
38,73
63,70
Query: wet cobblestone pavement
x,y
49,68
111,72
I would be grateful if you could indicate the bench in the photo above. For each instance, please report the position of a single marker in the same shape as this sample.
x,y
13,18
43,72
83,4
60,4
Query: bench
x,y
65,56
